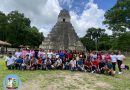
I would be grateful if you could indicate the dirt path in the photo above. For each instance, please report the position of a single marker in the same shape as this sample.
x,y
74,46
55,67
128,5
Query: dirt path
x,y
75,81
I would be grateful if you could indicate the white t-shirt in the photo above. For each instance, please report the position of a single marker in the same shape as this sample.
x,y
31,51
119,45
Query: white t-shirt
x,y
10,60
113,58
18,54
49,54
57,55
120,57
58,62
73,63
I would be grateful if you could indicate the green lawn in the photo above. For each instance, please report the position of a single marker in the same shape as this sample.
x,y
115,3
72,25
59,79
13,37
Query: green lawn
x,y
67,80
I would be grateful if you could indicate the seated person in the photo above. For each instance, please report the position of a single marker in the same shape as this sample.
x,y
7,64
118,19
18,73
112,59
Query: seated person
x,y
88,65
33,63
10,61
18,63
95,66
58,64
39,63
66,65
72,64
53,60
108,68
80,65
101,66
47,64
26,63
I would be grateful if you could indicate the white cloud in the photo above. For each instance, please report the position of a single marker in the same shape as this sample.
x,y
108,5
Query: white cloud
x,y
43,13
92,16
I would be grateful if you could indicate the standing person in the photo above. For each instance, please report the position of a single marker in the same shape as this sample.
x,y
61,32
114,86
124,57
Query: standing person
x,y
24,53
18,53
10,60
120,59
114,60
50,54
99,57
107,57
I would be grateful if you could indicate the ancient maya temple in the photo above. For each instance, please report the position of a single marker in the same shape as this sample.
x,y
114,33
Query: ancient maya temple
x,y
62,35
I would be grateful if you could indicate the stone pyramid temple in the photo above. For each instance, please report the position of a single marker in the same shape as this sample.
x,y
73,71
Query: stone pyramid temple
x,y
62,35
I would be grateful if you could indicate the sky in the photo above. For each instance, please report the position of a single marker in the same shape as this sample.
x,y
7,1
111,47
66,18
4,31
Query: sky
x,y
43,13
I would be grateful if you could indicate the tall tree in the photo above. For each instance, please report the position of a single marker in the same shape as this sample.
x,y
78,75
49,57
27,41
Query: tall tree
x,y
15,28
118,17
95,34
3,26
124,41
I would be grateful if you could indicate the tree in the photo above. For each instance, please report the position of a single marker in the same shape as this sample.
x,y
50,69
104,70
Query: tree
x,y
3,26
15,28
124,42
96,39
118,17
94,34
105,42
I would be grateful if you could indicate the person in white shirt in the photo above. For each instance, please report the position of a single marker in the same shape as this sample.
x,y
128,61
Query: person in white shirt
x,y
120,59
114,60
73,64
18,54
58,64
50,54
10,60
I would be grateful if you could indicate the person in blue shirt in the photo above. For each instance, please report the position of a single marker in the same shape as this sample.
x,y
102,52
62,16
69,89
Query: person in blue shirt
x,y
18,63
80,65
61,55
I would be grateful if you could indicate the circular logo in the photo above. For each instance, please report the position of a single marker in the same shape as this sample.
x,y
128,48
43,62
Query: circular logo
x,y
12,82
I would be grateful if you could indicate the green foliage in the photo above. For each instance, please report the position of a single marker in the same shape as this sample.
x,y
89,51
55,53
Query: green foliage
x,y
118,17
124,41
96,39
15,28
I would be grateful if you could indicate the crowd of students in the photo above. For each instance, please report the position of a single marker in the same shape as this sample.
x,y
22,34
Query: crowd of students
x,y
94,62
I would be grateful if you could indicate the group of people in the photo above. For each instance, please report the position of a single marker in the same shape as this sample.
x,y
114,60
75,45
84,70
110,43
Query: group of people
x,y
94,62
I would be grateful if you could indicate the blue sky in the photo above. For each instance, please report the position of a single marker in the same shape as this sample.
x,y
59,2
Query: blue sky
x,y
43,13
80,4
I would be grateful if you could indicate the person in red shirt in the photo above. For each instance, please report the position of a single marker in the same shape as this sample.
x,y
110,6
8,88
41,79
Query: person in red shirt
x,y
39,63
88,65
95,66
107,57
70,56
99,57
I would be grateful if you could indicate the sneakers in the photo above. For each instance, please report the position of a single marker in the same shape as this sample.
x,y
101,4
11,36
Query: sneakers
x,y
114,72
120,73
